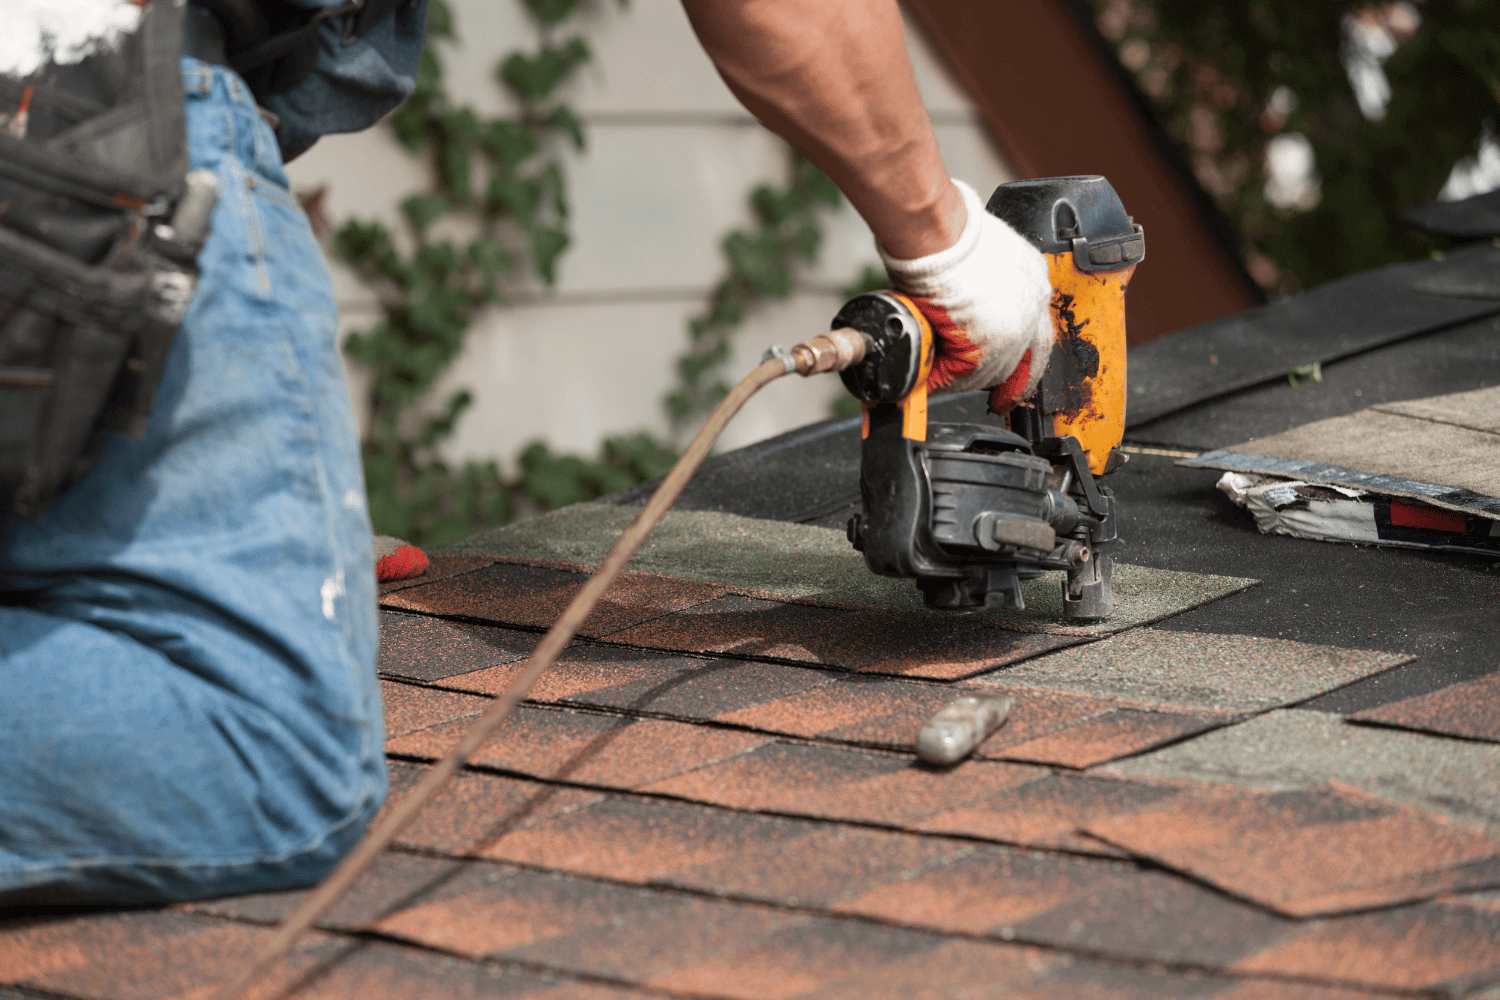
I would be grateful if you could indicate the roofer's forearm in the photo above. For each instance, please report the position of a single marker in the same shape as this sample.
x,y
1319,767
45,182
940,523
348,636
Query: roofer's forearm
x,y
833,79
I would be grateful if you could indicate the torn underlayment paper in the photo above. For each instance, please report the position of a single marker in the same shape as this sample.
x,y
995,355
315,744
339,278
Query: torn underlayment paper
x,y
1340,514
1443,452
61,31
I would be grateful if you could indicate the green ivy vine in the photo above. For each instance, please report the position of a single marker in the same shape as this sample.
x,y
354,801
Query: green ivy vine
x,y
502,180
762,263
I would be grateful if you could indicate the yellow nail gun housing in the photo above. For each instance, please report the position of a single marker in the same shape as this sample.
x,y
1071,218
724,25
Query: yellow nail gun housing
x,y
969,510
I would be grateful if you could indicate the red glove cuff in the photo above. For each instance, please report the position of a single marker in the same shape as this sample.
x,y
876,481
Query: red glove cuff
x,y
956,355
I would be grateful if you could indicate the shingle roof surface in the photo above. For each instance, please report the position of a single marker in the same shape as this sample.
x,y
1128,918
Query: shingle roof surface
x,y
714,793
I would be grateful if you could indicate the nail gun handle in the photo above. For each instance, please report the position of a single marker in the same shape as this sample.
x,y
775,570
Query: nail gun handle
x,y
1092,250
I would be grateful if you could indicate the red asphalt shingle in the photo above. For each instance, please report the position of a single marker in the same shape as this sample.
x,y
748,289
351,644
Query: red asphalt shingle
x,y
875,641
1120,732
1048,812
955,653
535,597
1102,907
577,925
837,784
1313,851
810,957
474,809
418,647
1413,948
1470,710
786,861
585,748
409,709
638,680
147,955
440,566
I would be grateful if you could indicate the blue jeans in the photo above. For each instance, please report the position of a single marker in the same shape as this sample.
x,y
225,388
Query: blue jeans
x,y
188,704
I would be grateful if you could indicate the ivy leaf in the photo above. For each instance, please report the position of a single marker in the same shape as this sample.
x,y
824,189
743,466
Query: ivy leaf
x,y
457,176
533,78
551,11
492,260
520,196
547,245
439,20
442,425
759,261
507,142
816,187
871,279
641,455
564,120
774,207
423,209
807,239
552,179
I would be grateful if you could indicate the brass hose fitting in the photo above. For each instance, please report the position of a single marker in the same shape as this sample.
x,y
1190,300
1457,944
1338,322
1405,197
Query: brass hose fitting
x,y
833,351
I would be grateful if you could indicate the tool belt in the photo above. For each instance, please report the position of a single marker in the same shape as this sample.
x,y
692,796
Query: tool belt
x,y
100,227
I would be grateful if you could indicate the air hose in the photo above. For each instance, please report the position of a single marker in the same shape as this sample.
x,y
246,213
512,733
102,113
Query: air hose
x,y
832,351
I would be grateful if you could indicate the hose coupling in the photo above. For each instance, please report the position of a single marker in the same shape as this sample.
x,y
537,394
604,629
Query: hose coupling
x,y
833,351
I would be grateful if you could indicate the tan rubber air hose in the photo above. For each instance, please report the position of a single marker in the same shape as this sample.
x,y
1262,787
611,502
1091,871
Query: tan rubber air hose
x,y
832,351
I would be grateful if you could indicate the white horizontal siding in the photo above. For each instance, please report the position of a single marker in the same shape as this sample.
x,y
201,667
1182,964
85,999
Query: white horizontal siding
x,y
671,158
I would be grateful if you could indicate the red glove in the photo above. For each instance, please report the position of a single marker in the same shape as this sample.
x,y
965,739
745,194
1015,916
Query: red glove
x,y
397,560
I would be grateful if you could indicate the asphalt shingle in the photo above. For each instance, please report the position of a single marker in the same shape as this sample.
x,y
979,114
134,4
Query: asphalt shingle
x,y
1296,749
535,597
585,748
778,560
1470,710
1325,849
1229,673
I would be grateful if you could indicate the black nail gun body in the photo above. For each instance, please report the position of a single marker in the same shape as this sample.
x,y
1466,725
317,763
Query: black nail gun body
x,y
970,510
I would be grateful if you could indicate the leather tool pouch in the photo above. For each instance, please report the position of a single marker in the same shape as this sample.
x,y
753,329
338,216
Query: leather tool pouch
x,y
99,231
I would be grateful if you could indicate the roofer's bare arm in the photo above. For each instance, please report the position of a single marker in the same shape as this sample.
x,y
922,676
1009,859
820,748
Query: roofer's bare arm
x,y
832,77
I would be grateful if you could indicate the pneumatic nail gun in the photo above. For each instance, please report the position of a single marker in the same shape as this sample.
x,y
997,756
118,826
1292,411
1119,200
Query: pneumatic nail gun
x,y
970,510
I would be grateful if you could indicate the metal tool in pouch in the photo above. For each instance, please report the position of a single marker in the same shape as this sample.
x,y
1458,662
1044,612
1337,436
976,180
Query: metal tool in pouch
x,y
100,226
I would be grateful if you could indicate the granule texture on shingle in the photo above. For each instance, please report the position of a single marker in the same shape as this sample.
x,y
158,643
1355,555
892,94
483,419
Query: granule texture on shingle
x,y
536,596
1047,812
1470,710
1104,907
582,747
581,926
419,647
792,862
1120,732
150,955
781,559
834,783
410,709
1322,850
1295,748
1235,673
1415,947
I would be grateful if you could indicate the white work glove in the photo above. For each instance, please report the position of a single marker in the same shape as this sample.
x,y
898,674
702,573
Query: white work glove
x,y
988,300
